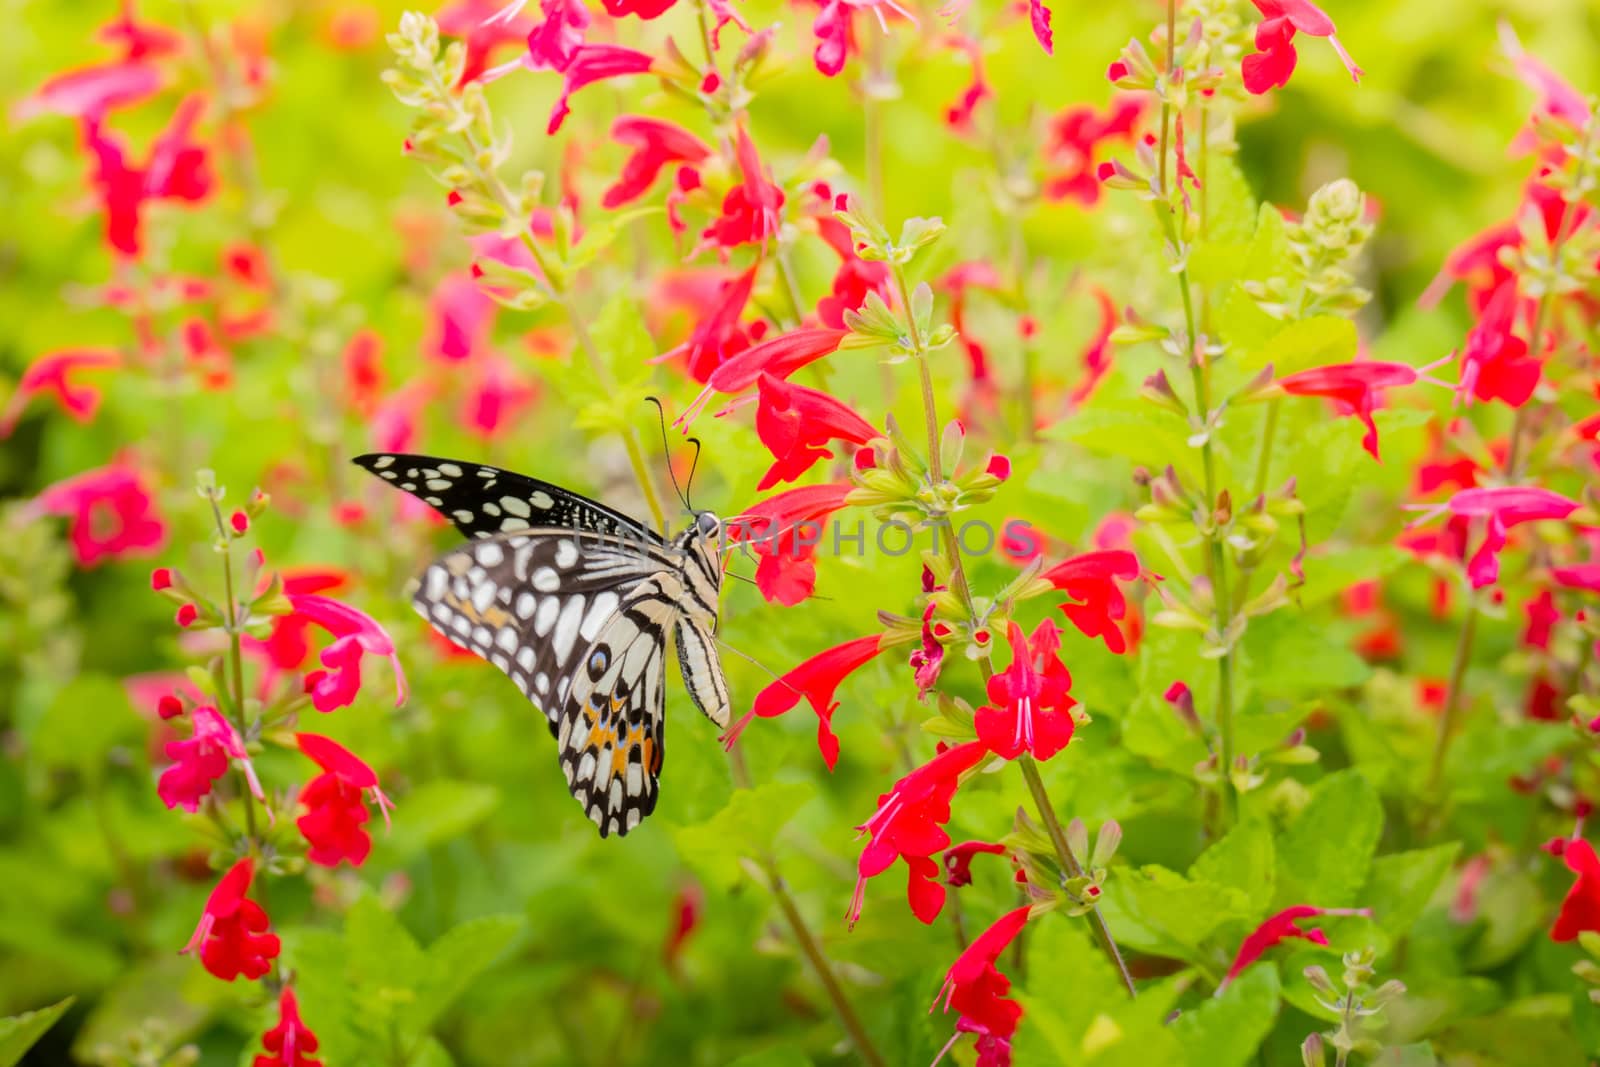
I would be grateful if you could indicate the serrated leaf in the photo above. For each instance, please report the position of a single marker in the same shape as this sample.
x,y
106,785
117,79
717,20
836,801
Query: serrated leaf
x,y
1292,658
437,811
1402,883
1148,436
1325,855
19,1033
744,828
1244,859
1176,914
600,236
1226,1030
1315,342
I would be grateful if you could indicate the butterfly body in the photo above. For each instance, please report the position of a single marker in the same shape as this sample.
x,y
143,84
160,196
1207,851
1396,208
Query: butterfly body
x,y
574,602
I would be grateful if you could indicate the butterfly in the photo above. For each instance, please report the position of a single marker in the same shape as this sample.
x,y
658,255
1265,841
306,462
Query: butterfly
x,y
574,601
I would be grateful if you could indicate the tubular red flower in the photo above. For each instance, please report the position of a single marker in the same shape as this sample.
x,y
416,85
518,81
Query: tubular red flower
x,y
482,34
833,31
588,64
354,634
54,373
1097,603
113,514
1576,576
795,423
335,818
1039,19
909,825
1580,910
816,679
1077,136
958,860
1278,928
1503,507
975,987
91,92
779,356
1030,708
655,143
1495,362
461,316
717,335
232,936
203,758
1272,63
750,210
1353,387
784,530
959,115
291,1042
496,399
177,169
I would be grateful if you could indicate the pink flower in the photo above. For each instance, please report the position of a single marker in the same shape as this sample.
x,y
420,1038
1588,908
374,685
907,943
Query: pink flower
x,y
1353,387
909,825
959,114
496,399
113,514
54,373
1502,507
795,423
927,659
91,92
645,9
1030,708
1543,615
232,936
178,169
1278,928
832,30
461,317
1584,576
1558,100
750,210
354,634
202,759
483,34
816,680
1477,262
1096,357
591,63
784,530
336,813
975,987
1097,603
289,1043
1272,63
656,143
1039,19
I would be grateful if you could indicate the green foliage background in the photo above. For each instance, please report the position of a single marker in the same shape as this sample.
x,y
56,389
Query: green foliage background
x,y
491,926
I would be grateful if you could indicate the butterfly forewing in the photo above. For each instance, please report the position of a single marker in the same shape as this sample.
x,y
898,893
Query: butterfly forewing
x,y
574,602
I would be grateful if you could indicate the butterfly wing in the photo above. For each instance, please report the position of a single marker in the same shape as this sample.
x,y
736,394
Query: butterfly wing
x,y
483,501
611,727
702,670
531,602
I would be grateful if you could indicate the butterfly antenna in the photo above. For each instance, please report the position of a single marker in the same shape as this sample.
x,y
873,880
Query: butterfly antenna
x,y
774,675
666,452
694,465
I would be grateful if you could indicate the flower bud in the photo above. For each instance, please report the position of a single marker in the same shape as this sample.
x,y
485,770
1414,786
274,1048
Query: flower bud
x,y
161,578
187,614
239,521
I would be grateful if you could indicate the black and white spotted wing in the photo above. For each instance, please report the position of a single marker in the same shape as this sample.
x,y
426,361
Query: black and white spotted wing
x,y
483,501
578,617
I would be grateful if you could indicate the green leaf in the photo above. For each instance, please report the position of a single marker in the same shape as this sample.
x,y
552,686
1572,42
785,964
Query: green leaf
x,y
1402,883
777,1056
1174,915
89,717
1314,342
20,1032
455,960
1244,860
1491,750
1148,436
600,236
1332,572
438,811
1324,857
1292,658
746,827
1226,1030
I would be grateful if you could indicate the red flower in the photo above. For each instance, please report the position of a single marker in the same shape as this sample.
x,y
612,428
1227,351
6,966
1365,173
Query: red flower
x,y
460,318
750,209
1096,356
202,759
1476,262
1576,576
363,372
1076,136
1097,603
497,398
1542,617
483,33
53,373
959,114
113,514
1353,388
688,904
717,335
816,680
832,30
975,987
232,936
1495,363
1030,708
1502,507
1039,19
177,169
1558,100
355,634
290,1043
1270,66
336,813
958,860
1580,910
91,92
779,356
927,659
795,423
1278,928
855,278
656,143
784,530
909,825
588,64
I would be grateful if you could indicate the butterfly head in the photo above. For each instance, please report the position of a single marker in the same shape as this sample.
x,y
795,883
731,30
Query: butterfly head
x,y
708,528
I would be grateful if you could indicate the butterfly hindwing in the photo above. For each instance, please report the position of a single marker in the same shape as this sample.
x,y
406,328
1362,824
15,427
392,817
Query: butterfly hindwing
x,y
702,671
483,501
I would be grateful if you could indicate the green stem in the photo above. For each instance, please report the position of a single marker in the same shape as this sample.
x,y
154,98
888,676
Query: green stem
x,y
1453,694
235,625
1269,428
